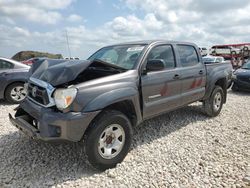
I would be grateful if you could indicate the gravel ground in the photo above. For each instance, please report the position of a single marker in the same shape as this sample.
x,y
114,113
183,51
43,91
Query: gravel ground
x,y
179,149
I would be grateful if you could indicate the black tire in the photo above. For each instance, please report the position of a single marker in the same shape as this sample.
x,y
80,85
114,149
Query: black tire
x,y
235,87
233,52
8,90
209,104
213,53
245,49
94,133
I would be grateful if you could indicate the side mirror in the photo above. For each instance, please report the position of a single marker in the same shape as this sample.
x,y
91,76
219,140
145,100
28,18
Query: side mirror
x,y
155,65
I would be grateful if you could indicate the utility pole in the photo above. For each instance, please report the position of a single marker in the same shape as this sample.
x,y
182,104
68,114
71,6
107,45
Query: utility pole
x,y
67,38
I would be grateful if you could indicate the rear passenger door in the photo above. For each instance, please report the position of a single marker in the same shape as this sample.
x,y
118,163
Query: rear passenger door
x,y
161,90
193,74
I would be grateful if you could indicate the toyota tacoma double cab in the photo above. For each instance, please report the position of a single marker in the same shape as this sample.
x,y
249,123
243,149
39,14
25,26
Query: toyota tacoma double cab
x,y
100,100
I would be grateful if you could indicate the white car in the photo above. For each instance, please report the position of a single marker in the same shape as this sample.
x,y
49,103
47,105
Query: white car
x,y
213,59
224,50
203,51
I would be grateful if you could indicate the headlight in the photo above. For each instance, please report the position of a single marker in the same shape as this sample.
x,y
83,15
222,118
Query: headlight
x,y
64,97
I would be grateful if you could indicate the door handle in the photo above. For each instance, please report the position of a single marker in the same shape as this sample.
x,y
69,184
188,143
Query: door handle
x,y
176,76
201,72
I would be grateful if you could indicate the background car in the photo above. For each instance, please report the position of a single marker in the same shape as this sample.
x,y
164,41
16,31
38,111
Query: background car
x,y
224,50
241,78
13,75
203,51
72,58
213,59
31,61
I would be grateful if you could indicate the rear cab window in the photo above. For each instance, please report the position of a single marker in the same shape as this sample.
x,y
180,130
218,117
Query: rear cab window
x,y
188,55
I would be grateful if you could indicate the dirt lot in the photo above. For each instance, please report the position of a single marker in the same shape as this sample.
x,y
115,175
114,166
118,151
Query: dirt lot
x,y
179,149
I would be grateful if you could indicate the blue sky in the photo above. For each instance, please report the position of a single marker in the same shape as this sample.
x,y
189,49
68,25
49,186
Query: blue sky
x,y
41,25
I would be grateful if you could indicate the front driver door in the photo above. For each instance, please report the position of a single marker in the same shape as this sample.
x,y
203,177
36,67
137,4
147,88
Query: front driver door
x,y
161,90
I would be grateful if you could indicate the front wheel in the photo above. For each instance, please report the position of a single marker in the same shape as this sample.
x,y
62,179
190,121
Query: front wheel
x,y
108,139
213,105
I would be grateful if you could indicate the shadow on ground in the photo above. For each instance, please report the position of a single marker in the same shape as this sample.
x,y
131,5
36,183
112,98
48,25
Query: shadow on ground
x,y
239,93
4,102
24,161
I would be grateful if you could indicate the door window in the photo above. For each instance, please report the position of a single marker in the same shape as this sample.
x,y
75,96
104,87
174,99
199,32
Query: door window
x,y
165,53
188,55
5,65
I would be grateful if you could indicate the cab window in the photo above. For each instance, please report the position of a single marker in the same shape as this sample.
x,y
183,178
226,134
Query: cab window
x,y
188,55
165,53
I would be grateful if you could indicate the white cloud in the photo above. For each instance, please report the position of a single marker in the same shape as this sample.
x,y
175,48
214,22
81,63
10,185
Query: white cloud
x,y
186,20
41,11
74,18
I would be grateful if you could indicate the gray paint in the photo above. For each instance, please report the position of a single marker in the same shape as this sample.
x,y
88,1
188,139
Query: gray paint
x,y
151,94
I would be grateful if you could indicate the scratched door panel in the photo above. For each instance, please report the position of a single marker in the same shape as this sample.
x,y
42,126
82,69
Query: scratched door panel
x,y
193,83
161,92
193,74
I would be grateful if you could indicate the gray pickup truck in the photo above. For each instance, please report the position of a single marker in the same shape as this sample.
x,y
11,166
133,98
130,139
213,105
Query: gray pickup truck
x,y
101,99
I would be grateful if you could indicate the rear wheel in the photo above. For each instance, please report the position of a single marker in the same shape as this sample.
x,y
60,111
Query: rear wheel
x,y
213,105
108,139
15,93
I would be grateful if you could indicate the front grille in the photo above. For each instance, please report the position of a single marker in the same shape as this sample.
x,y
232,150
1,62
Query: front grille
x,y
39,94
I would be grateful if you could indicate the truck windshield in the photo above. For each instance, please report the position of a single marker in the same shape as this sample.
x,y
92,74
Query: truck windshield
x,y
124,56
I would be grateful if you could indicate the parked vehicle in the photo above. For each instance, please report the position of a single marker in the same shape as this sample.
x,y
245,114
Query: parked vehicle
x,y
31,61
213,59
224,50
241,78
100,100
203,51
12,78
72,58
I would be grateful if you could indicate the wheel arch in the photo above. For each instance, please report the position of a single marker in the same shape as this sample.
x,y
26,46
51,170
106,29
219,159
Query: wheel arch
x,y
126,107
222,82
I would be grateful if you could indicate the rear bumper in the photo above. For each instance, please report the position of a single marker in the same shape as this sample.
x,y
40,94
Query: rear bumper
x,y
46,124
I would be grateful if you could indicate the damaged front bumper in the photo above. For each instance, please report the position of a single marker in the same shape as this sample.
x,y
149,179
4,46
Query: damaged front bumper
x,y
49,125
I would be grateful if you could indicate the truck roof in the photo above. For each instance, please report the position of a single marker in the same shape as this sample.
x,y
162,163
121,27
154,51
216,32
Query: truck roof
x,y
149,42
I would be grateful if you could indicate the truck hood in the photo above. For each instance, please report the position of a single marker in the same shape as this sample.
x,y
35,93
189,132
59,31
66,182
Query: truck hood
x,y
58,72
